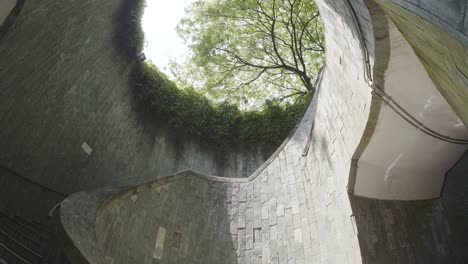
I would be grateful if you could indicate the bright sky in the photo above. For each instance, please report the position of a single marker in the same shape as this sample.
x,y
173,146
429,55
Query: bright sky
x,y
159,22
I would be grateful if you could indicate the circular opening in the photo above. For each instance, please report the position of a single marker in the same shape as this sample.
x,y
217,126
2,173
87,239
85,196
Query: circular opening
x,y
238,72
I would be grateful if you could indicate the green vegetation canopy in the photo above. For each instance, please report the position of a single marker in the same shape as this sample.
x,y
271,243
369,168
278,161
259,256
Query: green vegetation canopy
x,y
247,51
219,123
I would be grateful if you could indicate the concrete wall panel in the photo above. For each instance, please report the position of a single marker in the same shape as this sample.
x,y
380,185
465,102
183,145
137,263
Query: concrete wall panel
x,y
64,85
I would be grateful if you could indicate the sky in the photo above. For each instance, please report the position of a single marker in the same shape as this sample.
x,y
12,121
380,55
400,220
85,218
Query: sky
x,y
159,22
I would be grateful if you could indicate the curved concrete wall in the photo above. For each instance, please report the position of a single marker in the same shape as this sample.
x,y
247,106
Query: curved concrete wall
x,y
68,116
451,15
400,162
442,54
295,210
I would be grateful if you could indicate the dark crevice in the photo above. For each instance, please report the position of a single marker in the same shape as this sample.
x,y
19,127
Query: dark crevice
x,y
10,20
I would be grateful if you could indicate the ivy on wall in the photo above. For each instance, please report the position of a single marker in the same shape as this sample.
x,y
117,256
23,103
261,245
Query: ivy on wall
x,y
222,124
130,33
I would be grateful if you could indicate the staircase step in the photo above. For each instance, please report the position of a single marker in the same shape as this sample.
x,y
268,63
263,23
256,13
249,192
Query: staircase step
x,y
26,232
10,256
41,226
22,238
24,226
19,248
33,225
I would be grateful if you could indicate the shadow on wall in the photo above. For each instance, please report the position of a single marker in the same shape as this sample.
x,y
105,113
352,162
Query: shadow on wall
x,y
20,196
431,231
186,221
10,18
53,100
158,132
194,219
237,161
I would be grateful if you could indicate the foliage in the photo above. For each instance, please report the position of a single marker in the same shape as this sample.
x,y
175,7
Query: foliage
x,y
130,34
223,124
252,49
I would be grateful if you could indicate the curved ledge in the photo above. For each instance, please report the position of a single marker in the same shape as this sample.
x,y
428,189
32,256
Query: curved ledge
x,y
444,15
309,113
77,218
289,180
80,211
294,208
397,158
78,214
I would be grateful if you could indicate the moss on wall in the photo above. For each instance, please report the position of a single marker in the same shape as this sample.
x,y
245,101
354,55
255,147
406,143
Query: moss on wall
x,y
222,124
64,82
444,57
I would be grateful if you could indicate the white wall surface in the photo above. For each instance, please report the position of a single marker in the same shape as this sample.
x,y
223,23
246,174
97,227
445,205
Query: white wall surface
x,y
401,162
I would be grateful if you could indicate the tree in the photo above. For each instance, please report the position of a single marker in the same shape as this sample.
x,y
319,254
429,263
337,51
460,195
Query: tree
x,y
245,50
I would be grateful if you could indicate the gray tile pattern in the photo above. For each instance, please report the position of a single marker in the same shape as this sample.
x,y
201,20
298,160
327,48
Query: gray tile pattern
x,y
295,211
449,15
63,82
